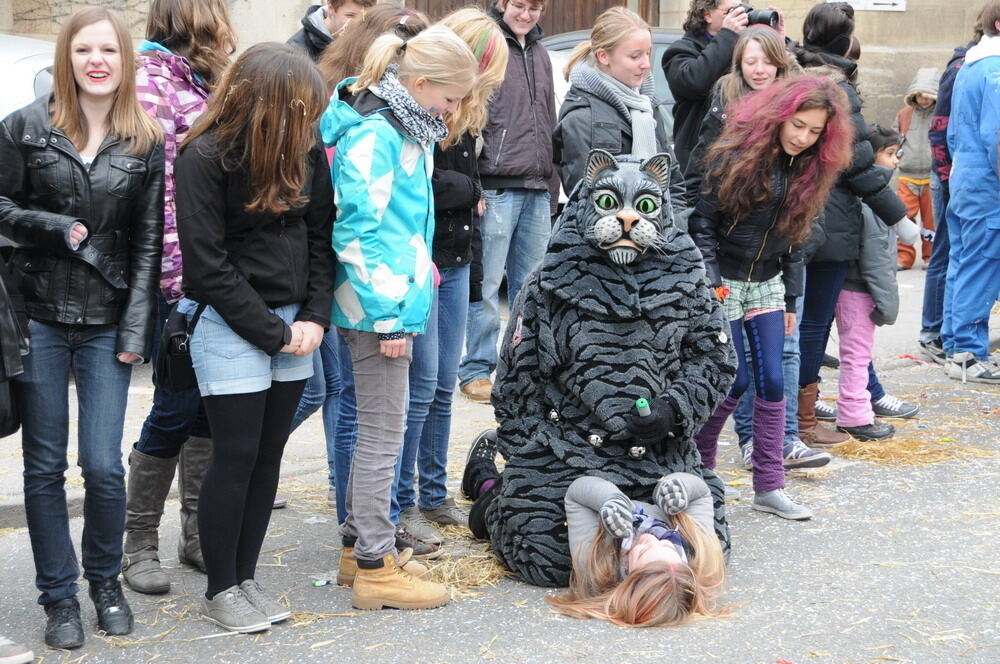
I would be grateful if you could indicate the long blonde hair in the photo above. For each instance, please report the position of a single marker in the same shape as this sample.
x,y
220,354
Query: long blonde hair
x,y
126,119
732,86
609,29
484,37
197,30
653,595
436,54
262,117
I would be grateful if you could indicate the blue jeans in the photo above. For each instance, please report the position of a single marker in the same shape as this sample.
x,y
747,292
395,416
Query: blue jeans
x,y
346,430
824,281
515,229
436,354
174,415
743,415
43,393
323,389
937,271
874,385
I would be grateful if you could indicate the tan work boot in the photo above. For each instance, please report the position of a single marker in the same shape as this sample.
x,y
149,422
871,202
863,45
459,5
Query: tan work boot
x,y
811,431
389,586
478,390
348,568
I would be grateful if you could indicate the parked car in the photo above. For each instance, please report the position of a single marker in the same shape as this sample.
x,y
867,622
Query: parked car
x,y
27,64
560,46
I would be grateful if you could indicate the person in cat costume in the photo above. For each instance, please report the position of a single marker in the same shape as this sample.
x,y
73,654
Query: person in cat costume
x,y
620,309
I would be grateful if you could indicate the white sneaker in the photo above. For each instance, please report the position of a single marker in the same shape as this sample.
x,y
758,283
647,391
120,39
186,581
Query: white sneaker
x,y
967,367
778,502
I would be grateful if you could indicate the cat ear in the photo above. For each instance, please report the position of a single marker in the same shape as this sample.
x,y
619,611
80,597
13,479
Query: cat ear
x,y
597,161
659,167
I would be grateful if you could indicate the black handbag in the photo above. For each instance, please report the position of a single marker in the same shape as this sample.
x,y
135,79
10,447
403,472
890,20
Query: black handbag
x,y
174,369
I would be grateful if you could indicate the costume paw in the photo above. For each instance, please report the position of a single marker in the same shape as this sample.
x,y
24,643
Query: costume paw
x,y
616,515
671,495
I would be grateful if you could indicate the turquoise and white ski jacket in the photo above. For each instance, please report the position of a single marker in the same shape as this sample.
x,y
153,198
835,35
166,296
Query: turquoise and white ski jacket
x,y
385,216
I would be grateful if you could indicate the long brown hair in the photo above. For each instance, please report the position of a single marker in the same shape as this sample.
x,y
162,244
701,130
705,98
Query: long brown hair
x,y
740,163
262,117
345,55
126,120
733,86
197,30
653,595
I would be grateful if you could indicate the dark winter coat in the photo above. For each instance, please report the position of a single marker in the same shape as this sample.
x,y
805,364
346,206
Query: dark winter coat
x,y
711,128
938,135
749,249
860,182
457,191
586,339
517,139
45,188
242,263
692,65
310,38
587,122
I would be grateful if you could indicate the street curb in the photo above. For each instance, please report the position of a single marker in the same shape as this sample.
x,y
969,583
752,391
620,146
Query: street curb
x,y
12,511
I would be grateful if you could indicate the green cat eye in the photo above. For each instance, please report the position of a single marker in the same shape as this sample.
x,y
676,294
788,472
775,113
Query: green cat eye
x,y
647,205
607,202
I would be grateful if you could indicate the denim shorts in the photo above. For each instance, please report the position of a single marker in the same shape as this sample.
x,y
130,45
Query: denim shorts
x,y
226,363
747,296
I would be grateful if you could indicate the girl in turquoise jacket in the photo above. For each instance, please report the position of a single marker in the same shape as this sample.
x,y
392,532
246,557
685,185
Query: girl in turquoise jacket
x,y
383,126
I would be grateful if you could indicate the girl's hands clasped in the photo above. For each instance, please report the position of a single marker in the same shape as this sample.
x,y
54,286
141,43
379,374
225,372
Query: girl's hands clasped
x,y
306,337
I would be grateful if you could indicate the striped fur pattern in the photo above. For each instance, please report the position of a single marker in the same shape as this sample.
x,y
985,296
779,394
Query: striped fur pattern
x,y
586,339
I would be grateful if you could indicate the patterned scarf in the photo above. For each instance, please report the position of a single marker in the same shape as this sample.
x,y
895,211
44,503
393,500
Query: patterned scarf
x,y
420,124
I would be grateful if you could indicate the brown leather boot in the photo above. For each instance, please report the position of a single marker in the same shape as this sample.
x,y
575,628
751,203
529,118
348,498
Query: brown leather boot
x,y
387,585
348,568
811,431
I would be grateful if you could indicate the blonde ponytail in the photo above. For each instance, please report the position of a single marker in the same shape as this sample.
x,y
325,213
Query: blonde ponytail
x,y
436,54
580,52
383,52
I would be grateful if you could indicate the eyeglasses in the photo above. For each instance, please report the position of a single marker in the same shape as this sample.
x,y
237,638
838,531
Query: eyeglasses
x,y
521,8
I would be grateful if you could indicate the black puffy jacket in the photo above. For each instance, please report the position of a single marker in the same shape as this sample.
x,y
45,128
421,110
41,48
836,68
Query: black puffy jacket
x,y
842,219
457,191
45,188
242,263
749,249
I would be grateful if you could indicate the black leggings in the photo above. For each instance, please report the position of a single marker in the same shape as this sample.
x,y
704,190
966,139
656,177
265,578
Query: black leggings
x,y
249,432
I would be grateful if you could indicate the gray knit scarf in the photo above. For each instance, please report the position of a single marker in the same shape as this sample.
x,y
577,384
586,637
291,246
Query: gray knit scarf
x,y
420,124
637,105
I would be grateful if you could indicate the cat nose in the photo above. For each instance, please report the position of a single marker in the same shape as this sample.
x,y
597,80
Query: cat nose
x,y
628,219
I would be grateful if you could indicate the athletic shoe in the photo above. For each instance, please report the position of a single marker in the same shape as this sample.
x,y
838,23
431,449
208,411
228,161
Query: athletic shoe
x,y
482,450
747,455
114,615
274,611
14,653
331,497
826,411
421,549
966,367
868,432
447,514
280,502
890,406
778,502
798,455
417,524
830,362
230,609
933,351
63,627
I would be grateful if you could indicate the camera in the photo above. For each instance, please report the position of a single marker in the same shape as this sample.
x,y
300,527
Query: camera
x,y
767,17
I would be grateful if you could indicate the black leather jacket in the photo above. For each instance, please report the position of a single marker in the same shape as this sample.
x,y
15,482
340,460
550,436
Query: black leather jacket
x,y
749,249
45,188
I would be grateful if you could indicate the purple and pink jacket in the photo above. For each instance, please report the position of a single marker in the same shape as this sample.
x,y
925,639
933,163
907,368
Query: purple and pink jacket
x,y
170,91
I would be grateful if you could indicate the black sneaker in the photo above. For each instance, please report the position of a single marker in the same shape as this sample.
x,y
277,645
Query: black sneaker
x,y
63,627
933,351
830,362
482,450
875,431
421,549
114,615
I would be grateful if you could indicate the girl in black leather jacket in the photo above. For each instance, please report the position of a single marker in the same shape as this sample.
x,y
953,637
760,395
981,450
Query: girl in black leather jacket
x,y
81,193
750,230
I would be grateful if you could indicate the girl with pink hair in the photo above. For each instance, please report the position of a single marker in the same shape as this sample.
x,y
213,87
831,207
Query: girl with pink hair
x,y
766,180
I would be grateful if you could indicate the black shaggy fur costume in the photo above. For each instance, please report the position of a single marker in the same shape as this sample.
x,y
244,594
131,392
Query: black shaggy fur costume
x,y
586,339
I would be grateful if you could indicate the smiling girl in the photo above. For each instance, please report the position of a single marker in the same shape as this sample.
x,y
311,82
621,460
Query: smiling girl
x,y
81,193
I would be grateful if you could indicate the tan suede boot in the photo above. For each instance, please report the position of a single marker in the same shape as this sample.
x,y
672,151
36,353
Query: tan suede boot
x,y
389,586
811,431
348,568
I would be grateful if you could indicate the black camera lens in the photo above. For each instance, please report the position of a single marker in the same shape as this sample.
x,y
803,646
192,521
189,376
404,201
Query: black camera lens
x,y
767,17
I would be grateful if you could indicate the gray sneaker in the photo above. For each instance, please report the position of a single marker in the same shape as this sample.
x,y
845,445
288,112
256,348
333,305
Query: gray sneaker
x,y
825,411
778,502
447,514
270,607
798,455
967,367
230,609
417,525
